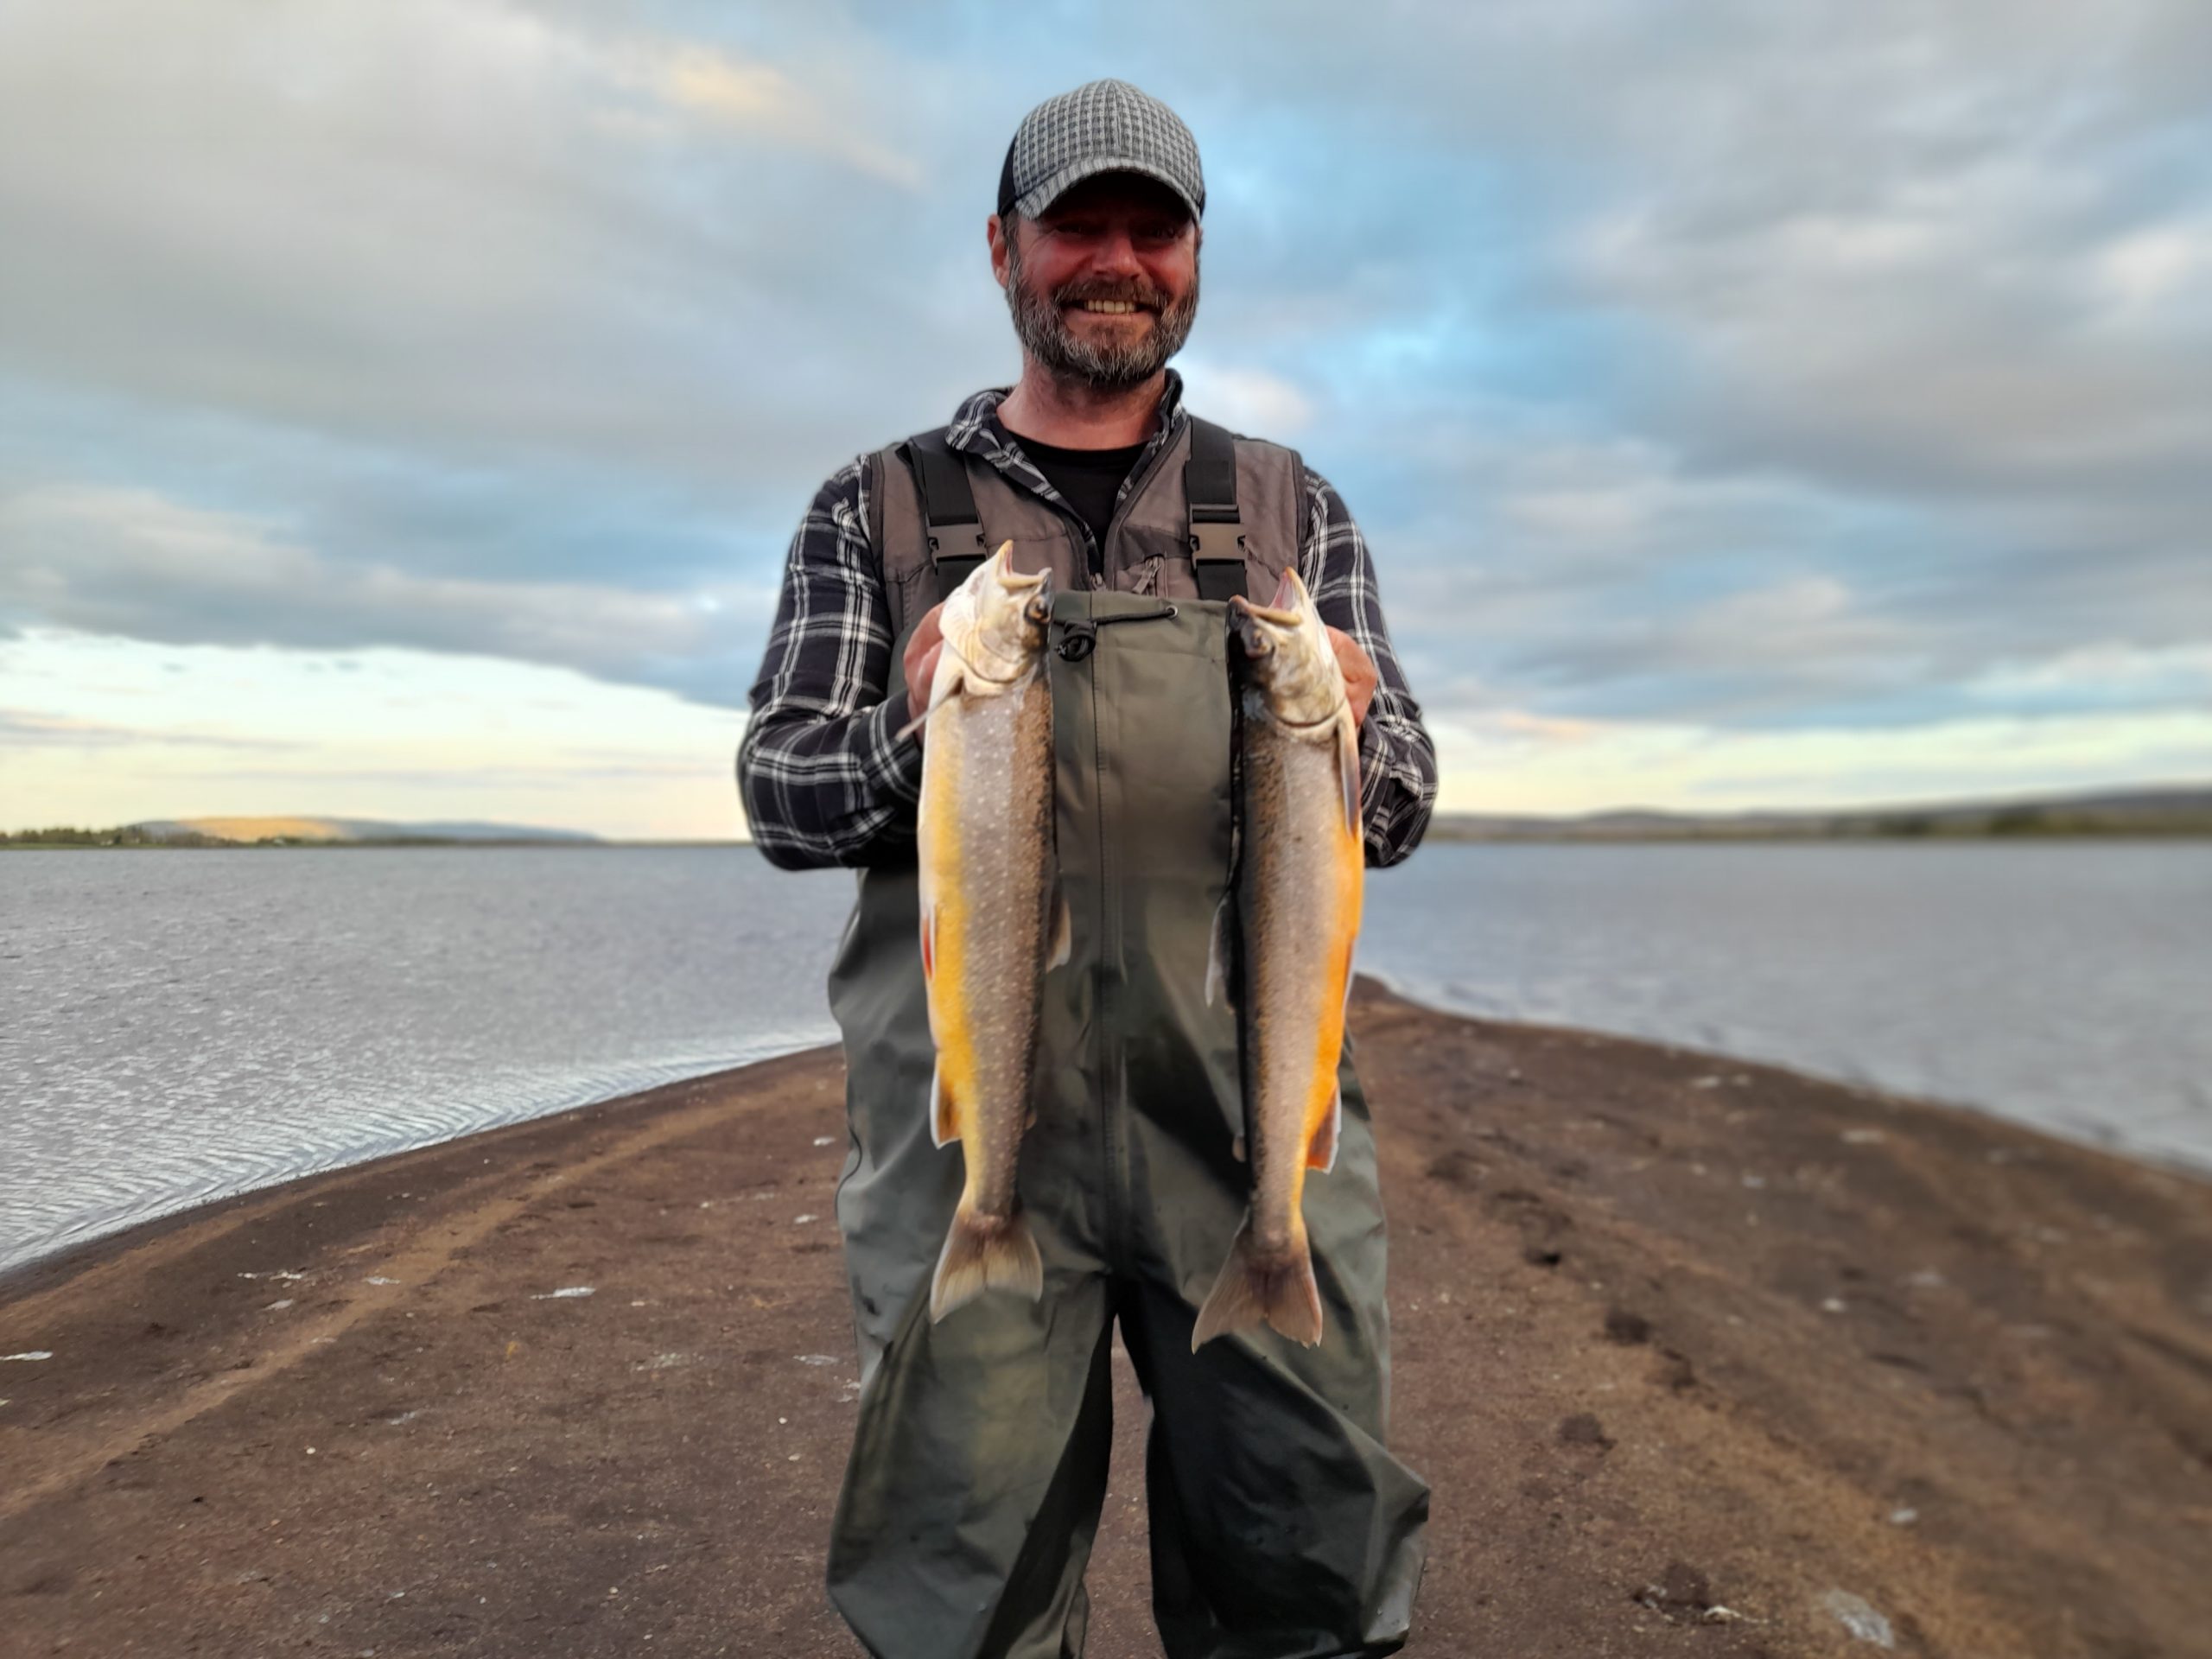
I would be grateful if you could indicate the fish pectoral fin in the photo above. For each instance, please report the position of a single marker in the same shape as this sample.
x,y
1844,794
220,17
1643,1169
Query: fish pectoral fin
x,y
1348,772
945,687
1063,935
1321,1150
944,1123
1217,948
1237,1148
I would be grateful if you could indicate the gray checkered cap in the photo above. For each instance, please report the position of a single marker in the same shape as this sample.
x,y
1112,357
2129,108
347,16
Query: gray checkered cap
x,y
1108,126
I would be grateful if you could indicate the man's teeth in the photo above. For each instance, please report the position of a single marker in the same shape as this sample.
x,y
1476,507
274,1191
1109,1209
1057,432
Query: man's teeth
x,y
1112,307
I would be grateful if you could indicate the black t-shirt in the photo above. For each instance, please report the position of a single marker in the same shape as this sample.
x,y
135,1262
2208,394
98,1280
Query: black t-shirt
x,y
1088,479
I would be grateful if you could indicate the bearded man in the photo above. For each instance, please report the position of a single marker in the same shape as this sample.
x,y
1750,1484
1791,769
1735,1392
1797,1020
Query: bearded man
x,y
1281,1527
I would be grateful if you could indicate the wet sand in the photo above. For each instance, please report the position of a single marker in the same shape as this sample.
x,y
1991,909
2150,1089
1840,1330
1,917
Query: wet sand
x,y
1701,1357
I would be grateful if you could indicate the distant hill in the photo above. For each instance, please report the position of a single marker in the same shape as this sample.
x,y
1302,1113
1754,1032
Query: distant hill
x,y
338,829
2185,809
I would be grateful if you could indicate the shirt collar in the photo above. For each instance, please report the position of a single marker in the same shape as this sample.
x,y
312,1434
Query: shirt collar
x,y
973,430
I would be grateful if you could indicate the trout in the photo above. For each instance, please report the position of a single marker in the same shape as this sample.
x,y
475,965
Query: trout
x,y
1287,922
992,920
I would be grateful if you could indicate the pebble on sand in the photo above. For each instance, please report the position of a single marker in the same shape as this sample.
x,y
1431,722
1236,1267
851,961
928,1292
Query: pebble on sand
x,y
1855,1614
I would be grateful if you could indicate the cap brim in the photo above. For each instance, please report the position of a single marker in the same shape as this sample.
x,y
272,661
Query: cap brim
x,y
1059,183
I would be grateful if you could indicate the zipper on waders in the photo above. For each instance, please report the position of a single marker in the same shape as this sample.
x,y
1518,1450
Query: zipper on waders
x,y
1079,640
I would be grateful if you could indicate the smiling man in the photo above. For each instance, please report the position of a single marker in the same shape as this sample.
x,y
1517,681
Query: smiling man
x,y
1282,1527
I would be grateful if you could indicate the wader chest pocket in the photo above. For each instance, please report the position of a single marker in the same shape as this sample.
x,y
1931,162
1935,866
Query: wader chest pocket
x,y
1078,638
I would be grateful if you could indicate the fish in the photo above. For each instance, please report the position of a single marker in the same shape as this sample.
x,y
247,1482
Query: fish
x,y
992,920
1287,927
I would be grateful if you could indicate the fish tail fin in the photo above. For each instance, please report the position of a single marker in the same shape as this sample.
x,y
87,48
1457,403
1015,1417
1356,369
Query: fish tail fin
x,y
1256,1286
985,1253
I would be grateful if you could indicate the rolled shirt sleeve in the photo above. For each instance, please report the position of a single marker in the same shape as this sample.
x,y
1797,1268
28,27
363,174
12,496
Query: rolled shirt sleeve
x,y
824,776
1397,761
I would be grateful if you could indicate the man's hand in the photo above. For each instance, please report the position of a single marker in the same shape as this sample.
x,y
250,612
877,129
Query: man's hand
x,y
1360,678
922,647
927,639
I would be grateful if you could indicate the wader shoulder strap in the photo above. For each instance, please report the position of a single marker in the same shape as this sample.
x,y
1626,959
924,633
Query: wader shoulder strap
x,y
954,527
1216,530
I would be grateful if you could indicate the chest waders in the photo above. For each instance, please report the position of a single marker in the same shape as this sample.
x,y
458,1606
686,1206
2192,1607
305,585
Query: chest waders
x,y
1281,1526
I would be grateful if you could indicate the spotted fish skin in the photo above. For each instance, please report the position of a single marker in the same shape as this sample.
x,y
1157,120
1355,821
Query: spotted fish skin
x,y
1289,923
988,906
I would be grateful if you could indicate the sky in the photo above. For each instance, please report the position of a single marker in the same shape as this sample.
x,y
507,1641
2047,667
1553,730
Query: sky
x,y
405,407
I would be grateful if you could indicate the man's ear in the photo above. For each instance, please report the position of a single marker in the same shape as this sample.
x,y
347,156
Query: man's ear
x,y
995,233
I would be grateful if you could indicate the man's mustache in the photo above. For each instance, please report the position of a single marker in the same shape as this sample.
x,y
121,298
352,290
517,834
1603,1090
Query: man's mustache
x,y
1151,299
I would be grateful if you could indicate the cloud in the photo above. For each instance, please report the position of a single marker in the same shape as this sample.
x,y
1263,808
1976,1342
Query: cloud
x,y
1767,368
1248,400
25,728
128,563
759,98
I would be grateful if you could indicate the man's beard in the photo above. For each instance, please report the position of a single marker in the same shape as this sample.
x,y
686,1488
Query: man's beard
x,y
1102,366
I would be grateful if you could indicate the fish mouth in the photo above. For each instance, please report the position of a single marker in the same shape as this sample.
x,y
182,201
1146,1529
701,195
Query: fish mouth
x,y
1010,577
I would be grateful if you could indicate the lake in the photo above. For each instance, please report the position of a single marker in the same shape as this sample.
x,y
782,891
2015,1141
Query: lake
x,y
176,1026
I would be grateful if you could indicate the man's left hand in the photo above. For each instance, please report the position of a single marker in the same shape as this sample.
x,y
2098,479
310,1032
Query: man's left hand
x,y
1360,678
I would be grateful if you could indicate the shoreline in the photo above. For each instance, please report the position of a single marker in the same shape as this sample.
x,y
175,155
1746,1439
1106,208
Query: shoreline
x,y
2166,1162
2192,831
766,1050
2108,1143
1679,1339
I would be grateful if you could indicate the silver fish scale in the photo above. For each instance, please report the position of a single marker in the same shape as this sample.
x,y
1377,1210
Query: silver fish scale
x,y
1001,747
1293,818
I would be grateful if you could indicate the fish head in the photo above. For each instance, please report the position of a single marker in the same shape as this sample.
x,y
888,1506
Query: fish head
x,y
996,619
1288,655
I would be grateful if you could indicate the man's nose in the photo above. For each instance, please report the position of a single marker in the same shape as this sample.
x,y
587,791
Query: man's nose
x,y
1116,255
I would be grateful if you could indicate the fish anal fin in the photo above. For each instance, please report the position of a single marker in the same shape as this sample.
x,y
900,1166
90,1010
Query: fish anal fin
x,y
1063,934
1348,773
985,1253
1218,950
1237,1148
1321,1150
944,1121
1257,1288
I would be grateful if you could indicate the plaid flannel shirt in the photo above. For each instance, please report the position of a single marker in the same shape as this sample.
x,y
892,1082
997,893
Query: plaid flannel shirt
x,y
824,774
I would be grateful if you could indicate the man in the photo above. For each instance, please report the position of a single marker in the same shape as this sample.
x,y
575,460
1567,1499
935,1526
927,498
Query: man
x,y
1281,1526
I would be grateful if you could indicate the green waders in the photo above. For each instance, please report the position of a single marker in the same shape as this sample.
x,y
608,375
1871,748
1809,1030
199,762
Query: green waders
x,y
1281,1528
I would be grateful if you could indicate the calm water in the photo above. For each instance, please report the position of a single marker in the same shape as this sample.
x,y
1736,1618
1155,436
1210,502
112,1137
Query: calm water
x,y
174,1026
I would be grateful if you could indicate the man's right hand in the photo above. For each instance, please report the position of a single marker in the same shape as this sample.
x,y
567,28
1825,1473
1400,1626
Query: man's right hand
x,y
922,647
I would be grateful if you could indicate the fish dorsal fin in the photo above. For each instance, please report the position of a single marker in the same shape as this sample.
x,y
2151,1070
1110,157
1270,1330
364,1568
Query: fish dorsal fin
x,y
1321,1150
944,1123
1348,773
1063,937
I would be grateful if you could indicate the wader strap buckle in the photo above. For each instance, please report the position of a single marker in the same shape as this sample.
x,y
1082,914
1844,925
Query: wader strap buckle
x,y
955,528
1216,538
1080,638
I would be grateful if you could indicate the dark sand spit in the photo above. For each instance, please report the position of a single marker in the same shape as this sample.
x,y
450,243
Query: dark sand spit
x,y
1702,1357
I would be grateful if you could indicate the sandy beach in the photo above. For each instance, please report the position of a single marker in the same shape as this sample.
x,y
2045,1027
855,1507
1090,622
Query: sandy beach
x,y
1701,1357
